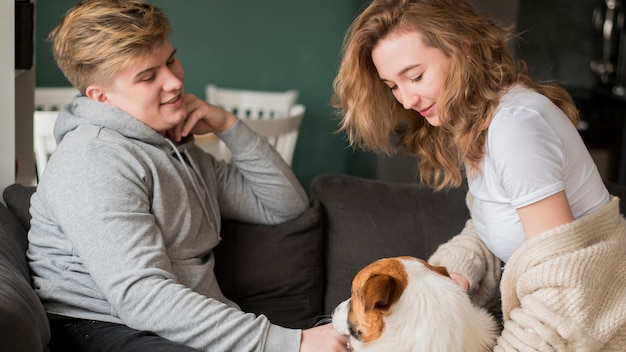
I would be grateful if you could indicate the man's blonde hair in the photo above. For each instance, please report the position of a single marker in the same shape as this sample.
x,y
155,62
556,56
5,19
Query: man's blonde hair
x,y
96,39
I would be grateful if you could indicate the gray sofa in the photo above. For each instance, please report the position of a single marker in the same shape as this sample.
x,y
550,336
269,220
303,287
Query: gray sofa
x,y
295,272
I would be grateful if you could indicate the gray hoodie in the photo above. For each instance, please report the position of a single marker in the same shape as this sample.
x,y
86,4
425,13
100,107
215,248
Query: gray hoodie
x,y
124,222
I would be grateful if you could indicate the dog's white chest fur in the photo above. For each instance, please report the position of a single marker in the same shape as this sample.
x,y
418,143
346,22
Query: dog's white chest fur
x,y
403,304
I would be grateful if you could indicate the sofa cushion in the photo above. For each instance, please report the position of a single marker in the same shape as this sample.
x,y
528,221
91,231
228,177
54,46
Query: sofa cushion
x,y
365,220
275,270
17,199
23,326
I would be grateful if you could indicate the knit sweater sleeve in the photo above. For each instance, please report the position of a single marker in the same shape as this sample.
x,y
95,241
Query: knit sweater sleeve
x,y
467,255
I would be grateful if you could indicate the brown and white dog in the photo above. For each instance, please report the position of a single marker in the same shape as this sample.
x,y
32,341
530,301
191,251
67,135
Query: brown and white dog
x,y
404,304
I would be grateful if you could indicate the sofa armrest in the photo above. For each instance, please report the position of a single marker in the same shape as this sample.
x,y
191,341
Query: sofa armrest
x,y
23,322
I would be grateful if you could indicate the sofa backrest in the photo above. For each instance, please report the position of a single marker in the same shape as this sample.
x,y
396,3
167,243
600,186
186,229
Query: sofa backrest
x,y
365,220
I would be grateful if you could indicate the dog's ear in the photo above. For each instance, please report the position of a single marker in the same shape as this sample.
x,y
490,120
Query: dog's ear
x,y
380,291
440,270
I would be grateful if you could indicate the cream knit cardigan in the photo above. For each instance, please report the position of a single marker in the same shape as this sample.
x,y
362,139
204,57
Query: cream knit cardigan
x,y
563,290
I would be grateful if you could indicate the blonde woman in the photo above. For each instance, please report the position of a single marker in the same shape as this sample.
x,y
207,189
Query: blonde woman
x,y
438,75
127,213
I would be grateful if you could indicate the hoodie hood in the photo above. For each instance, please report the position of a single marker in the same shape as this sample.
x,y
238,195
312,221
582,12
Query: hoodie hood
x,y
84,111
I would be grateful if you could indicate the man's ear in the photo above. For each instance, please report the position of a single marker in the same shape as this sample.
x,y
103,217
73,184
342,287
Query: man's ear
x,y
96,93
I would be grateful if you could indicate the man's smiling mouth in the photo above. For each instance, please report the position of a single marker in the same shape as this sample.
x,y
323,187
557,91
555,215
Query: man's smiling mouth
x,y
173,100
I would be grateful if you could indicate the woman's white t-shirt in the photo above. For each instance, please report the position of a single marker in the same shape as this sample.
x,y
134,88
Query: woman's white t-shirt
x,y
532,151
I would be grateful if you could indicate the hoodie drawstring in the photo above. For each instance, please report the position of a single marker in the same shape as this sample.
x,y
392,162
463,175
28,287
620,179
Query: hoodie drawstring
x,y
194,183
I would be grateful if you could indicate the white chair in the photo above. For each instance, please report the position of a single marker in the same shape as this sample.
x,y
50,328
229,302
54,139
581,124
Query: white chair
x,y
43,138
48,102
251,103
53,98
273,115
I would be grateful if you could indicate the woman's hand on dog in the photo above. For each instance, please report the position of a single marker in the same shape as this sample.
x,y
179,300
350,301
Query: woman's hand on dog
x,y
323,338
460,280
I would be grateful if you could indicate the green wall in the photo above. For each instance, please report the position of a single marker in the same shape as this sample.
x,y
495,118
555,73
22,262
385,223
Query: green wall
x,y
267,45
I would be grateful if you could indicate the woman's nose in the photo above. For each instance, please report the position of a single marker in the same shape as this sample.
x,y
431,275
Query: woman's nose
x,y
409,99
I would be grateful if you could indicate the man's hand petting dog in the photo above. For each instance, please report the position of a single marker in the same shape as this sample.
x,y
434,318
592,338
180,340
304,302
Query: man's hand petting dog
x,y
339,344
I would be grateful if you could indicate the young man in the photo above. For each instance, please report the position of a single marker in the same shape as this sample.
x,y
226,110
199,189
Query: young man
x,y
128,211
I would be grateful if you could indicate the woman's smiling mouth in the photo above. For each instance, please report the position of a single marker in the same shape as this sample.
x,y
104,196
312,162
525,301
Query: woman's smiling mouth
x,y
427,111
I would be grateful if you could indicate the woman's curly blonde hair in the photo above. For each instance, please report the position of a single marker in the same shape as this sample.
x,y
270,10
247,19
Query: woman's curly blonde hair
x,y
482,67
